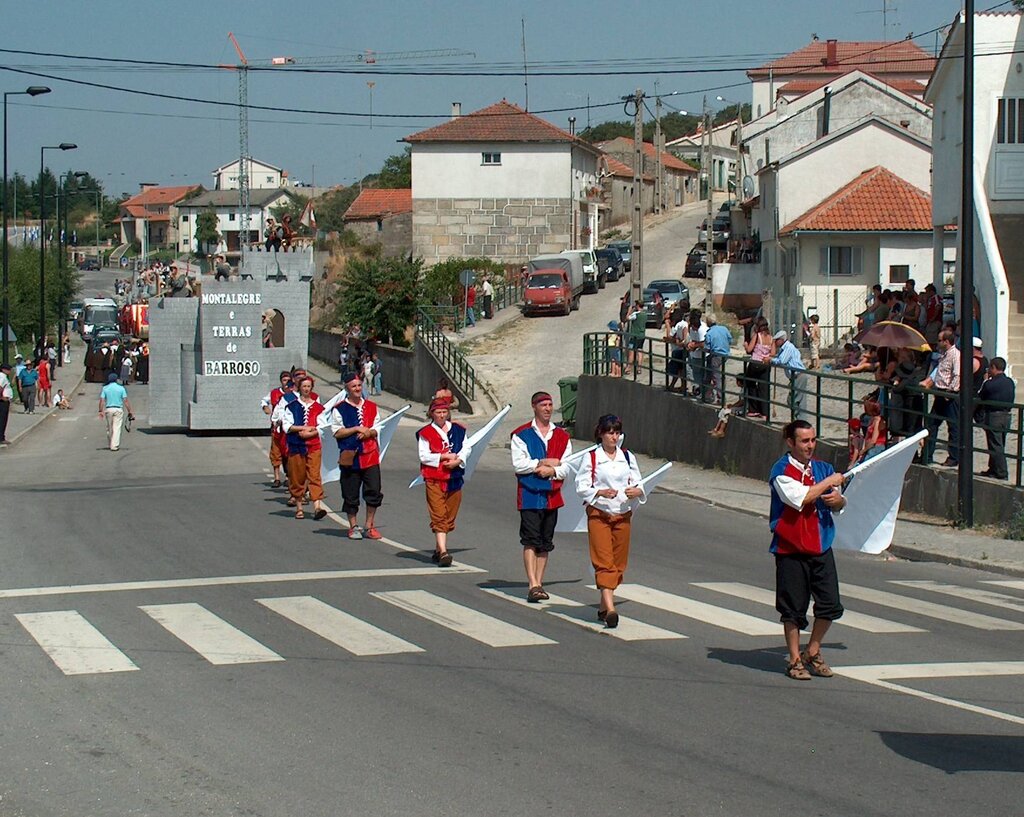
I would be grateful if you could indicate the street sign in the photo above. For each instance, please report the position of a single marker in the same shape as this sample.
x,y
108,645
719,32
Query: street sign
x,y
124,262
466,277
9,335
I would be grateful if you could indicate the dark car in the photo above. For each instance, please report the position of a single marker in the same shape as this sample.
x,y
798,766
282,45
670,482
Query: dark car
x,y
671,292
89,264
696,262
610,259
625,249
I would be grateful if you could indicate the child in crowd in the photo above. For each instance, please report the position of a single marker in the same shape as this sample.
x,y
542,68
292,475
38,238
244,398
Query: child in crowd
x,y
727,411
814,335
60,401
855,441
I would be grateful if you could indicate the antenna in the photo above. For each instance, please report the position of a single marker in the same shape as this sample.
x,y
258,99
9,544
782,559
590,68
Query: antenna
x,y
526,75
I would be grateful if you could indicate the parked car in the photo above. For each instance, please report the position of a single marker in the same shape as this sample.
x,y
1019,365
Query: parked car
x,y
554,283
593,277
696,262
726,207
720,229
89,264
625,249
611,262
671,292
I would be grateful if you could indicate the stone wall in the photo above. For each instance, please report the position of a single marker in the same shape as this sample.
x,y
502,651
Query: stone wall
x,y
395,235
504,230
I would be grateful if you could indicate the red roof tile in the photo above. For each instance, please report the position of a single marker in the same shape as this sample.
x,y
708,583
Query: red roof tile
x,y
667,159
161,195
876,201
899,57
374,203
501,122
620,169
799,87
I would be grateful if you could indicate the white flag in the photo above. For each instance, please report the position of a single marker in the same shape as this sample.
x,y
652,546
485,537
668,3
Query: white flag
x,y
330,471
873,499
478,441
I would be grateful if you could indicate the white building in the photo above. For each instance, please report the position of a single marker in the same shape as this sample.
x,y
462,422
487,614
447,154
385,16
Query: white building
x,y
261,176
224,203
724,153
503,184
998,168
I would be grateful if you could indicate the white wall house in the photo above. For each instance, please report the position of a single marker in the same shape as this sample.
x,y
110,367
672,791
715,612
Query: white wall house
x,y
225,204
724,153
502,184
791,125
998,168
816,175
261,176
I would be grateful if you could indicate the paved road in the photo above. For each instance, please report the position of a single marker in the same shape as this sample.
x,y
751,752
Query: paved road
x,y
195,650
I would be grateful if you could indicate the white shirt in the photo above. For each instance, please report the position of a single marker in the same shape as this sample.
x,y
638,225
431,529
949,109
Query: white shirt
x,y
792,492
5,387
523,463
697,335
606,471
288,419
432,459
488,288
679,331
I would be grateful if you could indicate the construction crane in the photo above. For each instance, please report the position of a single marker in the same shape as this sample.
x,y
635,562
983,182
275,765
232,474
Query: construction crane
x,y
366,58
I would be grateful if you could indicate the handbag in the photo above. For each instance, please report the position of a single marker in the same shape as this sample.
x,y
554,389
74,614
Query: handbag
x,y
347,457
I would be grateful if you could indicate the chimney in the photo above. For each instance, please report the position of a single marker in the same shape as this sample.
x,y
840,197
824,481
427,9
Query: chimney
x,y
144,186
830,52
456,110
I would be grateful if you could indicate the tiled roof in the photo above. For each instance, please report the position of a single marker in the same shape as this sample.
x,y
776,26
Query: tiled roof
x,y
259,197
501,122
620,169
876,201
799,87
161,195
667,159
374,203
138,211
898,57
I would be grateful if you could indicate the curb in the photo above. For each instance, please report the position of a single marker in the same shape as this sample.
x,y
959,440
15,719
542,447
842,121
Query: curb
x,y
908,552
24,432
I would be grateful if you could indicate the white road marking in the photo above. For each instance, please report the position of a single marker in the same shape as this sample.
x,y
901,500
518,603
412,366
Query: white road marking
x,y
69,419
1013,584
343,524
882,674
1003,600
857,621
927,608
73,644
699,610
584,616
464,620
209,635
218,581
338,627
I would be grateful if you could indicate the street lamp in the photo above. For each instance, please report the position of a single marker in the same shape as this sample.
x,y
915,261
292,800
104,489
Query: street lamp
x,y
33,90
62,226
42,234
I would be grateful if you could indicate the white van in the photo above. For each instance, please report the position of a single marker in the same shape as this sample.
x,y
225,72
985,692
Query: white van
x,y
97,312
593,277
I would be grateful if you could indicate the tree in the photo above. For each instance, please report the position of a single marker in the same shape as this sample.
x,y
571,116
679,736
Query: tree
x,y
1019,4
380,295
23,292
396,171
206,230
331,207
441,281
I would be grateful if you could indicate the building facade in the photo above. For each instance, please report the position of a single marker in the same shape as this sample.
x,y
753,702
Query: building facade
x,y
383,217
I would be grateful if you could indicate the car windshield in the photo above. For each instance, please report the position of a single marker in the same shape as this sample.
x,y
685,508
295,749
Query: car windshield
x,y
665,286
605,255
621,246
545,280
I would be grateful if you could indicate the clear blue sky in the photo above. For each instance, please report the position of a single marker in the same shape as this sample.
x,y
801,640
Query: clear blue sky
x,y
125,139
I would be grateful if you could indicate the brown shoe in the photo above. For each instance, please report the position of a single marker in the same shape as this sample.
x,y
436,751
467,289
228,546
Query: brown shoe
x,y
797,671
816,664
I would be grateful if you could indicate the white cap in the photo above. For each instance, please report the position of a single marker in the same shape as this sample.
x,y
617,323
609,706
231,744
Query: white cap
x,y
780,335
977,343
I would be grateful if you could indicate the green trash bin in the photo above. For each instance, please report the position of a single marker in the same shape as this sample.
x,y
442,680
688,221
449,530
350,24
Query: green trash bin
x,y
567,388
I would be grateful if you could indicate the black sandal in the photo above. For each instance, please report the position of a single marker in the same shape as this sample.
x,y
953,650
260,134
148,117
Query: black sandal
x,y
444,559
535,595
611,620
319,513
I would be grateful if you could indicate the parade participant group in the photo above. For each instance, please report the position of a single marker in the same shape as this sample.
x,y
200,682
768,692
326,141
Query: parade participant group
x,y
607,483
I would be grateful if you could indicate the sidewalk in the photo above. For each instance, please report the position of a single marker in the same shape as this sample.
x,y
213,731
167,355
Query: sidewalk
x,y
68,377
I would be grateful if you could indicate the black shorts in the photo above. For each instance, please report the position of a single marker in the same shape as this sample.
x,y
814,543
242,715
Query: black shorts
x,y
537,529
366,480
800,576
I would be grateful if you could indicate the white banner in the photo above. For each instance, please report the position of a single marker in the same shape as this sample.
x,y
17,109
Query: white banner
x,y
873,498
330,471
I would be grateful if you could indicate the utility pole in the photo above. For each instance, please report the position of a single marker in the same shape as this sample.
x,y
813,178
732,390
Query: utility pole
x,y
965,261
709,295
636,275
659,179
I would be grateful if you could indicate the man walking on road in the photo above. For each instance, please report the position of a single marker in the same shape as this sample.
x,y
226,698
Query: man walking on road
x,y
352,423
539,450
113,402
805,492
6,396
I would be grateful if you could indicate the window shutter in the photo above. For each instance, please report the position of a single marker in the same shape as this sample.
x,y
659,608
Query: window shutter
x,y
855,260
823,264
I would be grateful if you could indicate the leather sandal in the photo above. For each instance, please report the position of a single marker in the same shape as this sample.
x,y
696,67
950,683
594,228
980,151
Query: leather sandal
x,y
444,559
535,595
611,620
319,513
299,514
816,664
797,671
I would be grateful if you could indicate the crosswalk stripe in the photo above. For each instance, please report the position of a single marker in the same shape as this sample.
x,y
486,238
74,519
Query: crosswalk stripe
x,y
464,620
1013,584
583,615
73,644
208,634
338,627
858,621
928,608
977,594
699,610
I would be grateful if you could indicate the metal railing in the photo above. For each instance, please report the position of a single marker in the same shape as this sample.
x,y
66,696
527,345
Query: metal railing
x,y
826,399
447,353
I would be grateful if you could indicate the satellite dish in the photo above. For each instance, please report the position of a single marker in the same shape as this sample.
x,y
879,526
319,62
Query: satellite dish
x,y
748,186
